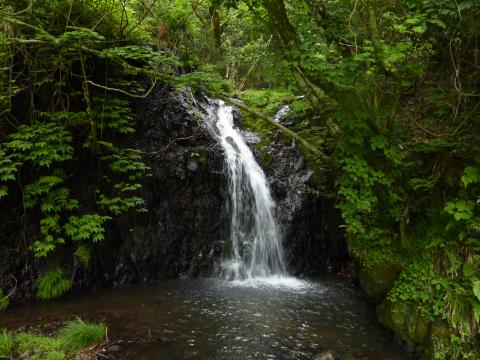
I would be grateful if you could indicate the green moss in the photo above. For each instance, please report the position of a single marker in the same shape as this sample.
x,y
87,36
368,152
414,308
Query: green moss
x,y
38,344
74,336
55,355
405,320
266,158
266,101
378,278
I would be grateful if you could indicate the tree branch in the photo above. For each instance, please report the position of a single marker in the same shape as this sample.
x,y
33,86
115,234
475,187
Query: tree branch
x,y
122,91
314,150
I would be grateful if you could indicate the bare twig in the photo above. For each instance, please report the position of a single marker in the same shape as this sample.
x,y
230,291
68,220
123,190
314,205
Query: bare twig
x,y
175,140
122,91
421,127
101,19
14,287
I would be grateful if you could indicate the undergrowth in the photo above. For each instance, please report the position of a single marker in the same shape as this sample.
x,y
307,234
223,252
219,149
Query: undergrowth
x,y
74,336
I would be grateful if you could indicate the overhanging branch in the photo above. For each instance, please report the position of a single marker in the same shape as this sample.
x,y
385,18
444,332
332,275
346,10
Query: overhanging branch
x,y
313,149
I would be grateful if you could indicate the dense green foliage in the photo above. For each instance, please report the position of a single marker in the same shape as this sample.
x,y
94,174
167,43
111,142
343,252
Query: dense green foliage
x,y
387,92
74,336
56,116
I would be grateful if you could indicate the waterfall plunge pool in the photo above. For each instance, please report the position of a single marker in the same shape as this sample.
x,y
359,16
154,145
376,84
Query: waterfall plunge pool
x,y
260,314
280,318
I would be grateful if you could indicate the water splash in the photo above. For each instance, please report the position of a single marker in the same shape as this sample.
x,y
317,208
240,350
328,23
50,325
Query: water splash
x,y
256,240
281,113
275,282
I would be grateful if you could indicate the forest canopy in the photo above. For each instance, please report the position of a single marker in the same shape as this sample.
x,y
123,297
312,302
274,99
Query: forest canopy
x,y
383,94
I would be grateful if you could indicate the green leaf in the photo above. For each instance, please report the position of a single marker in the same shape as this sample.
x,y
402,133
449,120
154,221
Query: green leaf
x,y
476,311
420,29
438,22
464,5
471,176
476,289
3,191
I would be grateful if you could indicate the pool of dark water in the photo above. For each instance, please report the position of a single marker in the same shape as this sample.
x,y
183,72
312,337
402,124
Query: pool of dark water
x,y
215,319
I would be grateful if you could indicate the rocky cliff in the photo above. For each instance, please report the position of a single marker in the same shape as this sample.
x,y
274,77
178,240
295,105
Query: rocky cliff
x,y
185,228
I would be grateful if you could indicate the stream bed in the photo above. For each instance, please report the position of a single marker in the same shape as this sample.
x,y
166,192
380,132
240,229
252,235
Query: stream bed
x,y
275,318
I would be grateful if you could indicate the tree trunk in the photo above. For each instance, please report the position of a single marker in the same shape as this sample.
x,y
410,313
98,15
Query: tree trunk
x,y
216,25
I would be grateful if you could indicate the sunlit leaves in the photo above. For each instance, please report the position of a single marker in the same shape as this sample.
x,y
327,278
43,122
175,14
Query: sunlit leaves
x,y
86,227
471,176
41,143
461,210
476,289
80,35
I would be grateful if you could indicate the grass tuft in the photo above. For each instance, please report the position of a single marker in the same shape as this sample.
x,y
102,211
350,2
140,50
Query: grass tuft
x,y
53,284
78,334
6,344
75,335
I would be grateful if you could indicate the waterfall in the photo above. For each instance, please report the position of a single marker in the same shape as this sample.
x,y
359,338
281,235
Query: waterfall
x,y
255,237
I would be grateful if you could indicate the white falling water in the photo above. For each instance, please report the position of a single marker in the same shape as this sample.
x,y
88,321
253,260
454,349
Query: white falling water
x,y
281,113
256,241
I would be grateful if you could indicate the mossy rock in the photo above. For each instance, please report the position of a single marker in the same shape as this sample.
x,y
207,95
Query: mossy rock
x,y
376,281
439,344
266,158
405,320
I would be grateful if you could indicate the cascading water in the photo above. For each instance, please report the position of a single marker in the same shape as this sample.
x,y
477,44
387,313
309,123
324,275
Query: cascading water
x,y
256,240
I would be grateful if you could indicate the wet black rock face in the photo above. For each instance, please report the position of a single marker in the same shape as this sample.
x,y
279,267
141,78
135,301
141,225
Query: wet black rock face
x,y
184,230
313,240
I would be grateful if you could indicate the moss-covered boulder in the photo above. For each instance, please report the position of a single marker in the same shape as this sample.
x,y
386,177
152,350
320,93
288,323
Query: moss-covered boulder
x,y
439,343
405,320
377,280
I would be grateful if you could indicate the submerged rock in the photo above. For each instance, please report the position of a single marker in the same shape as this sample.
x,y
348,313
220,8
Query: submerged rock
x,y
325,355
347,356
114,348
